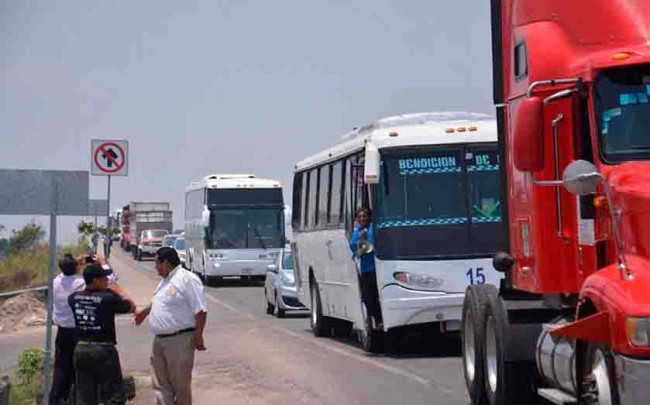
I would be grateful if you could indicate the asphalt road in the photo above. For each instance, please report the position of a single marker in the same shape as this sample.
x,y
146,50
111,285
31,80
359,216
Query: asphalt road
x,y
424,369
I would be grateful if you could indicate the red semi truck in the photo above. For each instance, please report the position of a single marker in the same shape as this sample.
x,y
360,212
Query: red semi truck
x,y
571,319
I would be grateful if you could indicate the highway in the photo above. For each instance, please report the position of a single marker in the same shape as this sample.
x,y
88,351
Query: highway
x,y
423,370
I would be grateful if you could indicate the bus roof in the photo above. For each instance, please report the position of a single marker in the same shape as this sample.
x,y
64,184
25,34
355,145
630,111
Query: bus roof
x,y
417,129
230,181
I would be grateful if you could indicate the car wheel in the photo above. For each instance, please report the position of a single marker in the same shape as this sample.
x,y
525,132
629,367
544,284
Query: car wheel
x,y
269,307
279,312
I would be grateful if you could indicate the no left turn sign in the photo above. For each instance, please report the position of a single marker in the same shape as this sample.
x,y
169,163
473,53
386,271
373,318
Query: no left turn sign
x,y
109,157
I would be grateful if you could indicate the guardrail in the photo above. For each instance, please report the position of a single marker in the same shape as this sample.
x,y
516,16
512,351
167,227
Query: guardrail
x,y
13,293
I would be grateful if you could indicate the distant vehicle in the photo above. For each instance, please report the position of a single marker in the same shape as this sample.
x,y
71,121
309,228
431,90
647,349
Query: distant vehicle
x,y
140,216
170,240
179,245
234,226
280,286
149,243
432,181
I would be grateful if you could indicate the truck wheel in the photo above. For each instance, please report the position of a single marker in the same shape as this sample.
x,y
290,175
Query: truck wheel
x,y
319,324
600,376
506,382
472,334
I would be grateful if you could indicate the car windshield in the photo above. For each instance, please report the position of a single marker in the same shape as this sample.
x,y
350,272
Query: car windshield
x,y
622,103
448,195
155,234
246,229
287,261
169,240
180,244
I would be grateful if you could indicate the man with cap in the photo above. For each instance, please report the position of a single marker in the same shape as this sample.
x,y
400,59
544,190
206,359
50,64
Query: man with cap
x,y
95,358
177,317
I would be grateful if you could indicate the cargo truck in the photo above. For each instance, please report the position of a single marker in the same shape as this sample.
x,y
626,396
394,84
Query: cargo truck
x,y
571,320
138,217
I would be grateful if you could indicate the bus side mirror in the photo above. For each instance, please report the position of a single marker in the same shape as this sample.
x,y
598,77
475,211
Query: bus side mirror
x,y
205,217
372,164
529,135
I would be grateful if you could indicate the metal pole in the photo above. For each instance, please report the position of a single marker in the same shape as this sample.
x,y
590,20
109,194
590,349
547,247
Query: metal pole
x,y
50,297
108,204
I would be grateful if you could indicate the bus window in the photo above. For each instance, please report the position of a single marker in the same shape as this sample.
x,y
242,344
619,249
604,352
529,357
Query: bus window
x,y
305,199
312,199
336,192
323,192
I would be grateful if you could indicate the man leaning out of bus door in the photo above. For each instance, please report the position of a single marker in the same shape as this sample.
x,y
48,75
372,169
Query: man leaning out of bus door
x,y
363,233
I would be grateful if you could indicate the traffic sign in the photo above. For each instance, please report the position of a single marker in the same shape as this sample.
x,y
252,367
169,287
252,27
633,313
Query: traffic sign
x,y
109,157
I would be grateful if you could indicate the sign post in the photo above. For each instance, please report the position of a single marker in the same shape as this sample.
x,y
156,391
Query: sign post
x,y
109,158
41,192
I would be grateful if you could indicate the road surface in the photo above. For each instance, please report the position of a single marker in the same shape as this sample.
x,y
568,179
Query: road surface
x,y
254,358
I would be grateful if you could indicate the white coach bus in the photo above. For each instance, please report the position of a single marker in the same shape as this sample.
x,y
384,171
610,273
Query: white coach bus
x,y
433,184
234,226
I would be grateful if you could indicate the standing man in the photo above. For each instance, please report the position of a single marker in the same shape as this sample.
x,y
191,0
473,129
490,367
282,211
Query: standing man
x,y
177,318
369,291
65,284
108,241
95,240
95,358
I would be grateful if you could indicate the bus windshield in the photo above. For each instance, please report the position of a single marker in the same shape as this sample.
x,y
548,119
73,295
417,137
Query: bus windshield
x,y
622,103
246,228
439,202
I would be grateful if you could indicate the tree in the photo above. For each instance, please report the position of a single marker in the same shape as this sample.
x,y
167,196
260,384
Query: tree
x,y
85,228
27,238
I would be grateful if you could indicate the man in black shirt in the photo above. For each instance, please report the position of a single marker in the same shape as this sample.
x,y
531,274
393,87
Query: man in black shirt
x,y
95,357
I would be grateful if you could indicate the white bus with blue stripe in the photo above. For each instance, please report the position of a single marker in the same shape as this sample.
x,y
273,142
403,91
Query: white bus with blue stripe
x,y
433,183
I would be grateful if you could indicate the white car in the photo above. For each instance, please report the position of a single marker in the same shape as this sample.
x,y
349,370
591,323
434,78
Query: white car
x,y
179,245
280,286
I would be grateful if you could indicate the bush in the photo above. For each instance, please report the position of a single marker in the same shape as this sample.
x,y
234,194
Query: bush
x,y
27,385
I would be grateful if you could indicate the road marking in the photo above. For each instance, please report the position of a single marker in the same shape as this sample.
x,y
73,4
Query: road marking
x,y
337,350
342,352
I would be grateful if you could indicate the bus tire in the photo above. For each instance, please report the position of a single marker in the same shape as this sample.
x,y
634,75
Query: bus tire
x,y
316,319
506,382
371,340
472,338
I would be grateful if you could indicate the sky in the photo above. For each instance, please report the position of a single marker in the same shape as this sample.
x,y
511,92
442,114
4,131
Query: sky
x,y
222,86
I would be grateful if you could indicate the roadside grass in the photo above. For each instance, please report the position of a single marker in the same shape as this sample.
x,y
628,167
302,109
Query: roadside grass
x,y
30,268
27,383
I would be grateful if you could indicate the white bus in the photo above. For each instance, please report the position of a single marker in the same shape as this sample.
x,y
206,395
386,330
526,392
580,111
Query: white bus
x,y
234,226
432,182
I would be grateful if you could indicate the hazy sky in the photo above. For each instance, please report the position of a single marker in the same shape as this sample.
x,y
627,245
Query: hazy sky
x,y
223,86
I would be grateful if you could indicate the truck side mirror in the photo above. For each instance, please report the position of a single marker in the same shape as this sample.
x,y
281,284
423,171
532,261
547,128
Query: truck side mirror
x,y
581,178
529,135
372,164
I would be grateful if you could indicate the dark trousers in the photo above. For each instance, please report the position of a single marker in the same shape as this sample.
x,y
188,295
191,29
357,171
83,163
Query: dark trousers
x,y
64,373
370,295
99,375
107,250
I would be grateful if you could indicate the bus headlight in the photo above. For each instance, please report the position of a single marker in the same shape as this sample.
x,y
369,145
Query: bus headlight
x,y
418,280
638,331
268,256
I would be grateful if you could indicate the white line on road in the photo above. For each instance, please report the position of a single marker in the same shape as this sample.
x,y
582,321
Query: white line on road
x,y
337,350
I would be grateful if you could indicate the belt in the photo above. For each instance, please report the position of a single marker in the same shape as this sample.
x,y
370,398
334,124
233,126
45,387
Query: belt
x,y
87,342
178,332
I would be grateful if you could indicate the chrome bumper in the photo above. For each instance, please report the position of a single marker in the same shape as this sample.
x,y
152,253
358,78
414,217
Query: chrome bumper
x,y
633,379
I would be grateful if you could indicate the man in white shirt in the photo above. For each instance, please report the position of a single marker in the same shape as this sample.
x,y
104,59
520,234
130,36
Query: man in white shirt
x,y
69,281
177,316
65,284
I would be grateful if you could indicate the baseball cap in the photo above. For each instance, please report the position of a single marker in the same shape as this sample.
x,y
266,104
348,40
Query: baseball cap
x,y
93,271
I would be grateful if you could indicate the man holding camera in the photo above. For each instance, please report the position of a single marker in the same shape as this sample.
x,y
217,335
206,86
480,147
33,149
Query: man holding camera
x,y
96,359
